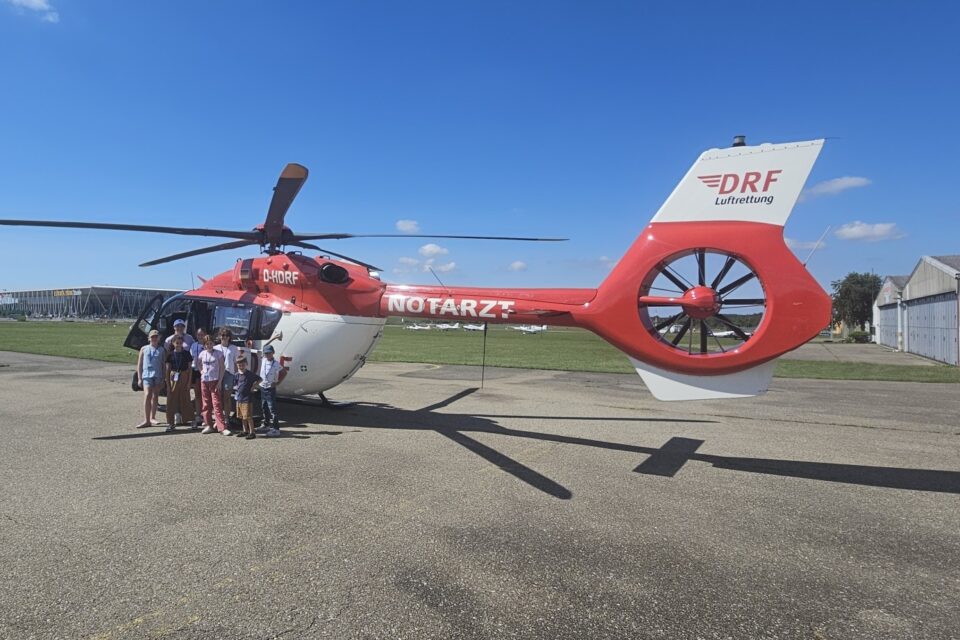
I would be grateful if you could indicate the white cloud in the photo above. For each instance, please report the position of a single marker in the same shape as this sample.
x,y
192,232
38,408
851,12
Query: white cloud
x,y
866,232
432,250
833,187
602,262
48,13
518,265
406,265
408,226
803,244
430,264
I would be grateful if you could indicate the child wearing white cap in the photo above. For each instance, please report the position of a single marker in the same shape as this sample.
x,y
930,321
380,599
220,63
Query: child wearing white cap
x,y
271,374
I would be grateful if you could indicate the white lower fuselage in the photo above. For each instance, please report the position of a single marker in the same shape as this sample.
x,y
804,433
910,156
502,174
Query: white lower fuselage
x,y
324,349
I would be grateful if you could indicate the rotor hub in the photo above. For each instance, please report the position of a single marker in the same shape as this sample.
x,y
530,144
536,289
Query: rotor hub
x,y
701,302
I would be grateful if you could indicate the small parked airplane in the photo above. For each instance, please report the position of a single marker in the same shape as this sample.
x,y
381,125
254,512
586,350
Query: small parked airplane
x,y
419,327
531,328
731,334
475,327
447,327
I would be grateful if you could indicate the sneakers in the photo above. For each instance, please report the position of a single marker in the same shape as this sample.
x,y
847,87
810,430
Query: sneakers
x,y
196,423
263,429
178,419
273,432
227,432
170,427
207,430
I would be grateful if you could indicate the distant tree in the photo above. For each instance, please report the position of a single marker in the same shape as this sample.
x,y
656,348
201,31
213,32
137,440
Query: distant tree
x,y
853,298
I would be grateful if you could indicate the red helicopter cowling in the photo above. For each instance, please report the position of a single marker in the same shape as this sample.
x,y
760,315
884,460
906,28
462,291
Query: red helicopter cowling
x,y
296,283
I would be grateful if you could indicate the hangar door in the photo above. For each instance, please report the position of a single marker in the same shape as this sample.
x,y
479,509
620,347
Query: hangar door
x,y
887,325
931,327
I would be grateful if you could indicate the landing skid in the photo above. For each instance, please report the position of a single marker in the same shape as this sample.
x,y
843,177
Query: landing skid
x,y
328,404
309,401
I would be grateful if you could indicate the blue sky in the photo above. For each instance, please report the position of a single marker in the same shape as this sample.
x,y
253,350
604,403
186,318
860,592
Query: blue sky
x,y
532,118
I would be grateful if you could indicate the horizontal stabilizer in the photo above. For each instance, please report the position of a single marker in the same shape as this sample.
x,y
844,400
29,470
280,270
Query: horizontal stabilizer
x,y
669,385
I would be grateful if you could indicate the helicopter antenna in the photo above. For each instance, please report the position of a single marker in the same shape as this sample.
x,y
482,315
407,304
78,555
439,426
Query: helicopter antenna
x,y
817,245
483,357
440,281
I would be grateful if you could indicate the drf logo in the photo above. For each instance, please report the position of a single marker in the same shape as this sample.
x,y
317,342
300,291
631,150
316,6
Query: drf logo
x,y
280,277
748,182
463,308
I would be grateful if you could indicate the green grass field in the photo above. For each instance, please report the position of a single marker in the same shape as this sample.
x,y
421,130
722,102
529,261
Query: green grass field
x,y
68,339
559,349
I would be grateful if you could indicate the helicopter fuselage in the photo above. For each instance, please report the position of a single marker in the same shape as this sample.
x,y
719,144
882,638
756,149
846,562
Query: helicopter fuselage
x,y
320,315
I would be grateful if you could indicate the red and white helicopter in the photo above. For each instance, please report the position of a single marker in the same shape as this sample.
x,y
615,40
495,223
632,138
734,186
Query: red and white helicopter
x,y
718,235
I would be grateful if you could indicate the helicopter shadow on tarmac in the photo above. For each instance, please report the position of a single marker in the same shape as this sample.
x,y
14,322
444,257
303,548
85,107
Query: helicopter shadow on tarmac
x,y
665,461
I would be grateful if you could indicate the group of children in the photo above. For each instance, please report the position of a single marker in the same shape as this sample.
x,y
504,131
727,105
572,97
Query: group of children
x,y
220,375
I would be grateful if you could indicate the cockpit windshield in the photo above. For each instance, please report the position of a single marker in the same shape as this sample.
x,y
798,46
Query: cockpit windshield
x,y
236,319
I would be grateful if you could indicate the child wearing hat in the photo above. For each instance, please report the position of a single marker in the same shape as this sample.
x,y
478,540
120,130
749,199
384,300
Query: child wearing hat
x,y
179,381
150,377
271,374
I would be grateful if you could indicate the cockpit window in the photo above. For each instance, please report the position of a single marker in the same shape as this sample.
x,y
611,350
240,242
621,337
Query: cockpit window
x,y
268,322
237,319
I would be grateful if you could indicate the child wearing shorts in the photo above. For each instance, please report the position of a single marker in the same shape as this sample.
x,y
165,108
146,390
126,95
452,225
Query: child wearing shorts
x,y
243,390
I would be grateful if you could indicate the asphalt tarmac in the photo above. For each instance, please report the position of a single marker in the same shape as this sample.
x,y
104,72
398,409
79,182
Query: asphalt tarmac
x,y
546,505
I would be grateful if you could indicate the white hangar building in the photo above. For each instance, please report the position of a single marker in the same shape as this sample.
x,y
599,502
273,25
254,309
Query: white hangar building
x,y
919,313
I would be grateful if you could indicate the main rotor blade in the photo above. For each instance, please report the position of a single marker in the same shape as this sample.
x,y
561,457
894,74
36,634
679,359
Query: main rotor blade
x,y
307,245
197,252
288,186
182,231
342,236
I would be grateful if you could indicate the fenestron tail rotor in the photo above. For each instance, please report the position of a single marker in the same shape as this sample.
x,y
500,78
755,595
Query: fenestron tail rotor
x,y
702,302
271,236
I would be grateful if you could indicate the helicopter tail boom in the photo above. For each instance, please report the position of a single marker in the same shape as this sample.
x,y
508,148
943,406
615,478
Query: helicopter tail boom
x,y
704,300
